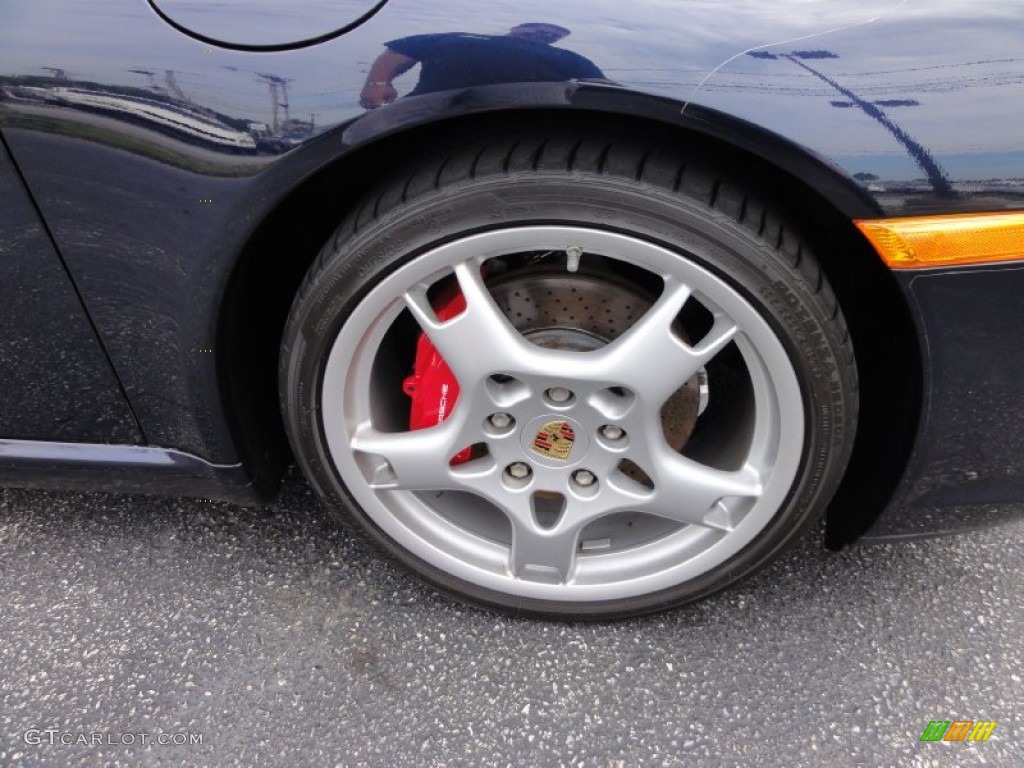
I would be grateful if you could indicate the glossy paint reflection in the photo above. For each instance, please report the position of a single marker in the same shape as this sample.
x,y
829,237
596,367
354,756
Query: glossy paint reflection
x,y
154,157
451,61
944,75
56,382
944,67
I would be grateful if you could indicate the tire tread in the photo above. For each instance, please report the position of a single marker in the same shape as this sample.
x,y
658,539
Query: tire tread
x,y
644,166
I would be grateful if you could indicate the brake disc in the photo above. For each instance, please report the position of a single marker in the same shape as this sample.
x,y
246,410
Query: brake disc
x,y
582,311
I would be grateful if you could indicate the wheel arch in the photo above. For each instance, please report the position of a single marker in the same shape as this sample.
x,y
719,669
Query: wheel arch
x,y
809,191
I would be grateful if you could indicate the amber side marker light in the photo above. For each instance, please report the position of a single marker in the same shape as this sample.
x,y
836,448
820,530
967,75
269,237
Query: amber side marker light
x,y
946,241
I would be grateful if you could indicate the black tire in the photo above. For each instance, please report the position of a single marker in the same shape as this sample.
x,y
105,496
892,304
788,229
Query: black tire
x,y
660,197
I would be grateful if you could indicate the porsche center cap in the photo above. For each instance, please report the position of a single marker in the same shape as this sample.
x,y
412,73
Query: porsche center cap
x,y
554,441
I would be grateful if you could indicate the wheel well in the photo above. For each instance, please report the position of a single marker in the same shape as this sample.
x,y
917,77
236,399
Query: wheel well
x,y
888,359
273,263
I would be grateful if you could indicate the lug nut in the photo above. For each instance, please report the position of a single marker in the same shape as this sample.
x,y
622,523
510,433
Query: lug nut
x,y
559,395
583,477
501,420
612,432
518,470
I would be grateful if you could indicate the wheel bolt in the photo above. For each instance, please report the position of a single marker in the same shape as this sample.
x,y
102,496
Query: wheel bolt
x,y
518,470
612,432
559,395
583,477
501,420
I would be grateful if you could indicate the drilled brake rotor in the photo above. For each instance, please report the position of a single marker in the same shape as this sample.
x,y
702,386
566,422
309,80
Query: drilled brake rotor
x,y
582,311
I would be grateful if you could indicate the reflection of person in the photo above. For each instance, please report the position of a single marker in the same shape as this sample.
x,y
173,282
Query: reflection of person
x,y
460,60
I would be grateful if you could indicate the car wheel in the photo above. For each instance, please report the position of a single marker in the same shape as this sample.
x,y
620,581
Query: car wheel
x,y
570,376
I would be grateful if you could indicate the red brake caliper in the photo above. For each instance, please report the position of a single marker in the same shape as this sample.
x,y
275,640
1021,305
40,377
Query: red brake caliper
x,y
432,385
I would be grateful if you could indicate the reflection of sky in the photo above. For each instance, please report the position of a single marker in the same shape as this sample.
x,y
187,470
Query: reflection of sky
x,y
659,46
963,70
665,45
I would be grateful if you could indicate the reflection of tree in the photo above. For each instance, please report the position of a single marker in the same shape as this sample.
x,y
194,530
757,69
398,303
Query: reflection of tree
x,y
936,176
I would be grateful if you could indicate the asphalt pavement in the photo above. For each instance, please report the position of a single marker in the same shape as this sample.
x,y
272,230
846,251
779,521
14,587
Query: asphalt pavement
x,y
140,631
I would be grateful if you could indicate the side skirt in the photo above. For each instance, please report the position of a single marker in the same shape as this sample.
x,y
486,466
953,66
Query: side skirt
x,y
122,469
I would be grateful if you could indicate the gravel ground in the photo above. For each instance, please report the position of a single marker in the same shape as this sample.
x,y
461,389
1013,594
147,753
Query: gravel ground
x,y
279,641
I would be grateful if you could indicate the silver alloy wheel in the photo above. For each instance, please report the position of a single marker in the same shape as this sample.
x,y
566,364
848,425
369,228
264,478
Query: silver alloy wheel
x,y
547,535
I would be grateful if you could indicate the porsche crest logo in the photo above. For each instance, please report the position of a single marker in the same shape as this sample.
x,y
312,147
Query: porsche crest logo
x,y
554,440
